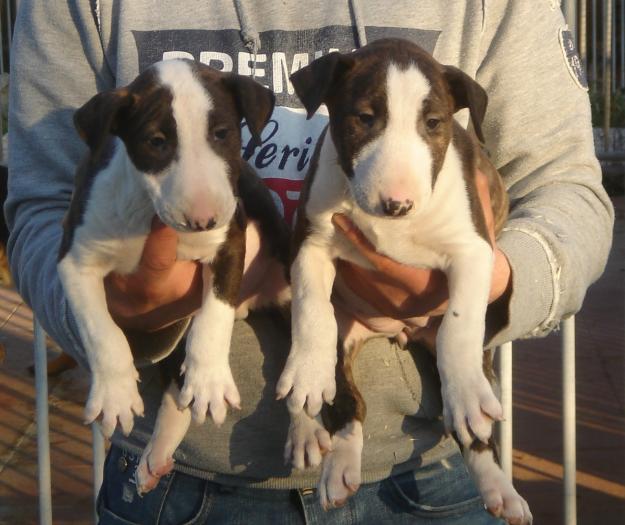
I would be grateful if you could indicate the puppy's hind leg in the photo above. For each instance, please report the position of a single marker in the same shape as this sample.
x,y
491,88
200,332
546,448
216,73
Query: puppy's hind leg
x,y
169,430
500,497
340,473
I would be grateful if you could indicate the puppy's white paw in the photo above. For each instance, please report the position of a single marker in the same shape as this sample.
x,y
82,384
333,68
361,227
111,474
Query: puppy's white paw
x,y
340,474
309,376
307,441
210,388
150,470
500,497
469,405
117,397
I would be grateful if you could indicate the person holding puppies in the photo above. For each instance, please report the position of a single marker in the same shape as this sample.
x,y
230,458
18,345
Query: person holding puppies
x,y
554,245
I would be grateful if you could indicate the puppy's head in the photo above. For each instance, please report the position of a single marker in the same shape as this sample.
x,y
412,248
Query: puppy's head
x,y
180,122
391,109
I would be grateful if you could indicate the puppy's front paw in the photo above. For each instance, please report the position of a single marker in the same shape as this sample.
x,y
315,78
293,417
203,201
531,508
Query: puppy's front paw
x,y
307,441
210,388
340,474
309,377
116,396
469,405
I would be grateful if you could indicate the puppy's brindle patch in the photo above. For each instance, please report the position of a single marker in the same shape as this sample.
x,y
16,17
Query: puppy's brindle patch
x,y
83,182
228,264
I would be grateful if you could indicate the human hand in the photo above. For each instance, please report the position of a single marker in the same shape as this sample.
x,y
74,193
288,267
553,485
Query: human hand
x,y
161,291
403,292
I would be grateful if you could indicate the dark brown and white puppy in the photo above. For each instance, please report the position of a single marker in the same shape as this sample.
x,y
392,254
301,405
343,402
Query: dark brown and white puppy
x,y
168,144
398,164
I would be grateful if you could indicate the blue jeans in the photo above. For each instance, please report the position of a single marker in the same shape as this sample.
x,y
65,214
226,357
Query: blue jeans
x,y
442,493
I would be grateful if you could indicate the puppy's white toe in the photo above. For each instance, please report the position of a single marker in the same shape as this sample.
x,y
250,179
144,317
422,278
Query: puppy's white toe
x,y
500,497
150,470
211,389
340,473
117,398
469,406
307,441
309,378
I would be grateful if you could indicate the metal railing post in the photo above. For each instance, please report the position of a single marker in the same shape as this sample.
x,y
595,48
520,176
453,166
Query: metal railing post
x,y
98,464
505,427
43,431
607,73
568,420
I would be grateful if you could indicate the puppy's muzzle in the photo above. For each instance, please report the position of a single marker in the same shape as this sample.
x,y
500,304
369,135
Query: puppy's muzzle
x,y
394,208
199,224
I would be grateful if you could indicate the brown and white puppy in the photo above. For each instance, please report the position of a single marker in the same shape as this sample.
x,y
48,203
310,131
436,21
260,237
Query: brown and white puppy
x,y
168,144
398,164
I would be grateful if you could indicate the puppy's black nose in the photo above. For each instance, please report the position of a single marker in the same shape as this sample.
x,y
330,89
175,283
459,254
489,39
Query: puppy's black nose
x,y
199,226
394,208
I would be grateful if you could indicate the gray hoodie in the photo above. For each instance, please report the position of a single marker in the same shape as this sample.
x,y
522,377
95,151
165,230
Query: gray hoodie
x,y
537,129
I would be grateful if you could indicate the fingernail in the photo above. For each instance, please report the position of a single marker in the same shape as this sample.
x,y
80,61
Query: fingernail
x,y
341,221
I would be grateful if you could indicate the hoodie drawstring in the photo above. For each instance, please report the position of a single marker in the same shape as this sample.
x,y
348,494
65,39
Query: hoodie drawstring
x,y
250,37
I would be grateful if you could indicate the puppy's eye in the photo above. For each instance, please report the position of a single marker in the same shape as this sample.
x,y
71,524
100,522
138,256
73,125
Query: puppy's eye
x,y
368,119
432,123
157,140
221,133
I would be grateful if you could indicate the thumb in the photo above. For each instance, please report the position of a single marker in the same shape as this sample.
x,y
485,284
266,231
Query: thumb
x,y
360,241
159,252
353,234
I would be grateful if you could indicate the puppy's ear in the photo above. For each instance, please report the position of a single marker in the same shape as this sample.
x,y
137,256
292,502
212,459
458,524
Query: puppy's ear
x,y
314,82
467,93
254,102
99,116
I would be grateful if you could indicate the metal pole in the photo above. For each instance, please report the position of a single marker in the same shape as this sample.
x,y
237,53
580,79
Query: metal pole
x,y
98,464
622,45
594,42
9,24
1,96
505,427
43,431
583,34
613,47
568,419
607,73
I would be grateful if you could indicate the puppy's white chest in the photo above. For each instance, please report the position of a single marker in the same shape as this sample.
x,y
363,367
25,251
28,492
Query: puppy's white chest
x,y
401,240
200,246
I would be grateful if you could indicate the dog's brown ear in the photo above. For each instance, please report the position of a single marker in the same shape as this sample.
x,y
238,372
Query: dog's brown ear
x,y
254,102
313,82
98,118
467,93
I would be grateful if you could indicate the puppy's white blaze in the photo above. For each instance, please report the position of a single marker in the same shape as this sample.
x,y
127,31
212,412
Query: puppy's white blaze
x,y
397,165
199,183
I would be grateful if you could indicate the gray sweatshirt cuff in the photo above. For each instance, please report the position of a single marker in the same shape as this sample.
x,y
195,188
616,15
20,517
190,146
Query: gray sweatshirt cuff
x,y
535,275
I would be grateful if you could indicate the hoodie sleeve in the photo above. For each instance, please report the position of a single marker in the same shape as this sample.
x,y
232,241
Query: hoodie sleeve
x,y
538,127
58,63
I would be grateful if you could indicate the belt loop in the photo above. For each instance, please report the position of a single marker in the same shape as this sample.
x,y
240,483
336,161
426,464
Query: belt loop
x,y
307,498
